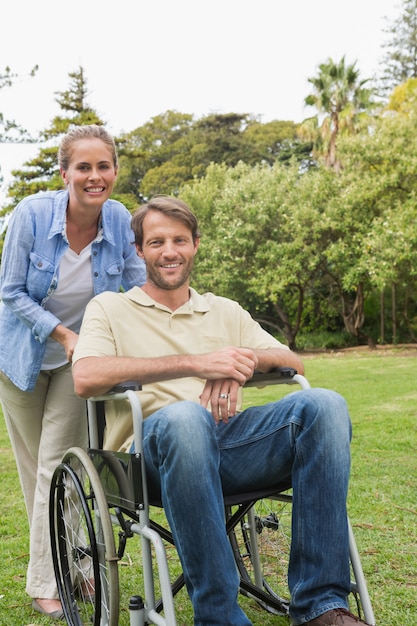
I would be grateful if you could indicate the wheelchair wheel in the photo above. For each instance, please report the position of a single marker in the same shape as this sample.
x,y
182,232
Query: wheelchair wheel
x,y
261,544
83,547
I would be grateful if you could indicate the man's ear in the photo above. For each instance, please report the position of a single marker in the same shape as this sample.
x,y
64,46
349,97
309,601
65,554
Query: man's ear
x,y
196,245
139,251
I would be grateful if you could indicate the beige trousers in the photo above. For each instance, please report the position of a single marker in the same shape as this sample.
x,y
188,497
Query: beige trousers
x,y
42,424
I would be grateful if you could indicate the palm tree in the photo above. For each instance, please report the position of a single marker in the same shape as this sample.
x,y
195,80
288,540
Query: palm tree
x,y
340,97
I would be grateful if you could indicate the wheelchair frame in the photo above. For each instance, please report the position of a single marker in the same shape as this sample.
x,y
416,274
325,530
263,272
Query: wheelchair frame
x,y
93,482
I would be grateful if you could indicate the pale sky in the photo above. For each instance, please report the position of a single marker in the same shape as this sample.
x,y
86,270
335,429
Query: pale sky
x,y
143,58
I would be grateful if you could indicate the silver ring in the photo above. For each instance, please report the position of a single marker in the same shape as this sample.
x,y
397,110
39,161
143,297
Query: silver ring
x,y
224,396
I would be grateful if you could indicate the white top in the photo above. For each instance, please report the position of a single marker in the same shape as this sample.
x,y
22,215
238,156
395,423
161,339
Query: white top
x,y
74,291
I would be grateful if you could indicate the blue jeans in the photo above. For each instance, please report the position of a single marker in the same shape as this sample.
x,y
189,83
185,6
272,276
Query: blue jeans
x,y
191,462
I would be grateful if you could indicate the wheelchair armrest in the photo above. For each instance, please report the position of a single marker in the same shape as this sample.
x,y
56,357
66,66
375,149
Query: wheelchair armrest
x,y
279,375
275,376
134,385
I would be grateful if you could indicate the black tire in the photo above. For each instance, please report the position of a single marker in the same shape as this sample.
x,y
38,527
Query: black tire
x,y
261,545
83,547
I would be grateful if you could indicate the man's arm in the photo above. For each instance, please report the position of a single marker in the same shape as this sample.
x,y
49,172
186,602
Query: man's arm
x,y
271,358
96,375
222,393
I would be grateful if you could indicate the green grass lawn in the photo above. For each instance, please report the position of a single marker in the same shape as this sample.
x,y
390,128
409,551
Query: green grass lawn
x,y
381,391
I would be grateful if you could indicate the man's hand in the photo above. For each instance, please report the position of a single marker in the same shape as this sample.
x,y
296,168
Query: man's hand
x,y
238,364
222,395
226,371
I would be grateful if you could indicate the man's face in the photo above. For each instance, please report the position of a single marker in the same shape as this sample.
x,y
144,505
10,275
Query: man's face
x,y
168,250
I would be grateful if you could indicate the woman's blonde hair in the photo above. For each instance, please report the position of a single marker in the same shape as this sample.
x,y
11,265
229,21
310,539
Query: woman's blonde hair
x,y
84,132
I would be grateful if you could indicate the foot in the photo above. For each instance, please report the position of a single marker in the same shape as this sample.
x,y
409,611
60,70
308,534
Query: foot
x,y
52,608
337,617
86,589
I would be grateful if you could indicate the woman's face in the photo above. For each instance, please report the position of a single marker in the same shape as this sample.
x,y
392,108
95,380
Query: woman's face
x,y
91,173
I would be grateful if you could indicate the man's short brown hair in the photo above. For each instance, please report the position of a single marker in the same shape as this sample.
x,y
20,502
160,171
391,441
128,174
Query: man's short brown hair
x,y
172,207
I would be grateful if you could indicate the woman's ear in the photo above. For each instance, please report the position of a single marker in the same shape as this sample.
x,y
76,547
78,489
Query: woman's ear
x,y
63,175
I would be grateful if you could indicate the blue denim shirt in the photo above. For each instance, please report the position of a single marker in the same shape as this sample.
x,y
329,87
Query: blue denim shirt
x,y
34,245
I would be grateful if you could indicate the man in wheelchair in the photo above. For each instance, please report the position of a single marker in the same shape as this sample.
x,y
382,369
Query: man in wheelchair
x,y
192,354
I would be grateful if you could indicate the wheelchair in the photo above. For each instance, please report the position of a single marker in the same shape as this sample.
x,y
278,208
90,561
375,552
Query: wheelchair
x,y
99,499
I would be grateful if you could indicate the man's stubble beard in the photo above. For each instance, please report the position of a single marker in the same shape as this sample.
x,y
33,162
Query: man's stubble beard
x,y
155,277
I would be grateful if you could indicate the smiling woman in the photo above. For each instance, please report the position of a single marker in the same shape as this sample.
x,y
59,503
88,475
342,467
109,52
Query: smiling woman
x,y
88,168
61,248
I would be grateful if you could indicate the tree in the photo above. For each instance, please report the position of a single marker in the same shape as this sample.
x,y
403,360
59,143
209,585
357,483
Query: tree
x,y
275,141
175,148
378,198
151,154
10,131
42,172
340,97
231,138
404,97
400,60
261,242
311,249
74,103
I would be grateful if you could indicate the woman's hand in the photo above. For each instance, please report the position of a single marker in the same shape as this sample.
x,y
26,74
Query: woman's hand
x,y
67,338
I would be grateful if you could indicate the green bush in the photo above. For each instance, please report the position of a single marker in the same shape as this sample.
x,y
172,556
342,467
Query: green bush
x,y
324,340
